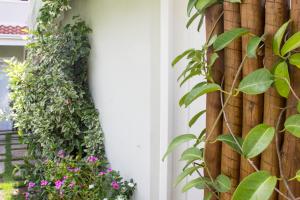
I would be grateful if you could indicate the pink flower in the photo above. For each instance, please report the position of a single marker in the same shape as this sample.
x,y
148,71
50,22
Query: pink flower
x,y
31,185
101,173
72,184
109,170
27,195
61,154
115,185
65,177
92,159
58,184
44,183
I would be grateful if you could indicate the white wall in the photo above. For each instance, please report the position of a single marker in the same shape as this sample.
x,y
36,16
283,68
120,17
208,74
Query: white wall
x,y
135,89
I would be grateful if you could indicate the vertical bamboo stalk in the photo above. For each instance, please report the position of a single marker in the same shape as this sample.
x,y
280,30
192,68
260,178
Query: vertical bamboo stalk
x,y
214,25
276,13
230,161
291,144
252,18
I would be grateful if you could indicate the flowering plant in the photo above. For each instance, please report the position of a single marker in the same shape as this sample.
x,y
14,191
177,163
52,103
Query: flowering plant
x,y
78,178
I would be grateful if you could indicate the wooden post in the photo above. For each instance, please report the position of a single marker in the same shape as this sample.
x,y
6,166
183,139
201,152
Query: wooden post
x,y
291,144
252,18
276,13
214,25
230,163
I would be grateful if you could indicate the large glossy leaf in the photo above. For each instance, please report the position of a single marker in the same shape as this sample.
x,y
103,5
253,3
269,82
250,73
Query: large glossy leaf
x,y
253,46
277,40
199,183
227,37
212,40
257,140
199,91
257,186
213,59
182,100
177,141
295,59
208,196
257,82
201,5
185,173
181,56
192,19
229,140
192,153
190,6
291,44
292,125
196,117
282,79
222,183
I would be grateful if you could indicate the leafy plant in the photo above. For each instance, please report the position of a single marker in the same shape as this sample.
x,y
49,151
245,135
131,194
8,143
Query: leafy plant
x,y
259,185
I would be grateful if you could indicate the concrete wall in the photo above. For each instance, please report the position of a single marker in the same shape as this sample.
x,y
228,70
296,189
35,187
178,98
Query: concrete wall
x,y
135,89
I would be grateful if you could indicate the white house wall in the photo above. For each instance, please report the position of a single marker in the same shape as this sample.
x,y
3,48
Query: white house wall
x,y
135,90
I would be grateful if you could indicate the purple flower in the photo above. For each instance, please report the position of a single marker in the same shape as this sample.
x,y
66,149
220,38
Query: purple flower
x,y
61,153
65,177
92,159
115,185
44,183
58,184
31,185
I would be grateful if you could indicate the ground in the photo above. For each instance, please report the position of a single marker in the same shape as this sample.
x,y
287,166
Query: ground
x,y
12,153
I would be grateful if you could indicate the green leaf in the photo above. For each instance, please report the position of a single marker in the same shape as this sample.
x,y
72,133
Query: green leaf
x,y
192,19
213,59
181,56
259,185
192,153
227,37
277,40
185,173
177,141
222,183
199,91
257,140
298,176
188,77
201,5
292,125
200,23
298,106
196,117
292,43
282,79
235,1
253,46
208,196
190,6
212,40
295,59
199,183
229,140
257,82
182,100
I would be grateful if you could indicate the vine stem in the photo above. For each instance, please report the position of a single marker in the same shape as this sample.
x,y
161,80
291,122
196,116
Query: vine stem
x,y
214,26
239,146
279,156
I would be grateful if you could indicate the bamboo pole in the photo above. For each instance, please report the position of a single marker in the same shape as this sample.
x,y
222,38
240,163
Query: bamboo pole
x,y
214,25
252,18
276,13
291,144
230,161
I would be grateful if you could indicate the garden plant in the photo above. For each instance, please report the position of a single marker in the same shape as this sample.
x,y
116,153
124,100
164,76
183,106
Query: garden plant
x,y
55,115
248,150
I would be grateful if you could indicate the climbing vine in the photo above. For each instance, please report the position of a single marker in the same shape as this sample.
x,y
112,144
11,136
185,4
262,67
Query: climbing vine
x,y
260,184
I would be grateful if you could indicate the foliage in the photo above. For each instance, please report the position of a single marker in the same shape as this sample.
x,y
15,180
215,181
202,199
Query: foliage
x,y
77,178
258,185
54,112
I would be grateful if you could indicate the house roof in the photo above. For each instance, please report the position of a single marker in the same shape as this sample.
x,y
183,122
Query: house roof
x,y
13,30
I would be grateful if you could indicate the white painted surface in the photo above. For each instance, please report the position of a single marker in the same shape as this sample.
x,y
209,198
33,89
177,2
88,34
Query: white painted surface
x,y
14,12
134,88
